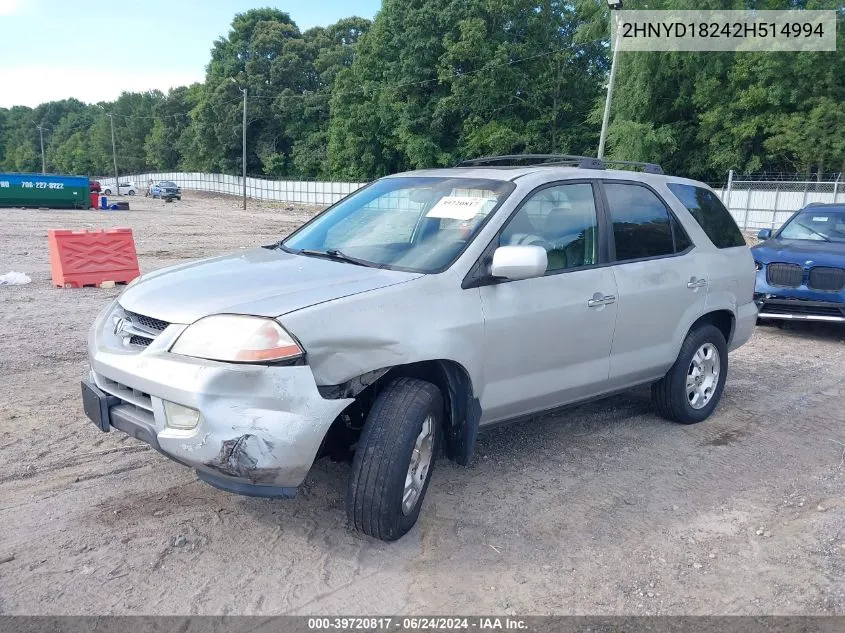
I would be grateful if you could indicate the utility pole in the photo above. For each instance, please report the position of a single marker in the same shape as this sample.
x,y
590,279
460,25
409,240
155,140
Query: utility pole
x,y
613,5
113,149
244,148
114,153
43,162
243,158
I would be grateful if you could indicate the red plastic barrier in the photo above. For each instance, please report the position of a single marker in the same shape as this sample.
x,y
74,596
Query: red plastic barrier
x,y
95,200
88,258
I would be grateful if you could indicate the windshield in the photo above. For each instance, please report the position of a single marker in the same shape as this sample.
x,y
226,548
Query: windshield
x,y
417,224
166,183
826,225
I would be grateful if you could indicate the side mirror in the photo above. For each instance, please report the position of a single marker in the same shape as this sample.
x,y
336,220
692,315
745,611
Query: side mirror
x,y
519,262
764,234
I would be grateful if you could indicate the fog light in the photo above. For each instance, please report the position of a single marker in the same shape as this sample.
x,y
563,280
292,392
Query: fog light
x,y
179,417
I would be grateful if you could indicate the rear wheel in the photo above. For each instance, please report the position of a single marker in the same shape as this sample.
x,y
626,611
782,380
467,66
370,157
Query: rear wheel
x,y
107,192
692,388
394,459
131,192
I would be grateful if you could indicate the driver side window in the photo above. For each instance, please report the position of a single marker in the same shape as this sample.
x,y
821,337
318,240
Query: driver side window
x,y
561,219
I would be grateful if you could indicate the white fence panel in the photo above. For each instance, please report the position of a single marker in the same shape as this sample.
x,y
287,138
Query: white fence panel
x,y
296,191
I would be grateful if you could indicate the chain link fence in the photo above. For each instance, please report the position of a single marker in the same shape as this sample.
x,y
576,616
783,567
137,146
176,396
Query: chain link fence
x,y
768,200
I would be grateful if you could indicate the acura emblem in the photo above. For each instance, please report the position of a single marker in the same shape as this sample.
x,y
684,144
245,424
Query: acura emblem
x,y
119,324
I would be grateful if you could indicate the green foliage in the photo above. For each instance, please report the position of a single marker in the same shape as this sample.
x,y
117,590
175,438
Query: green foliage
x,y
430,82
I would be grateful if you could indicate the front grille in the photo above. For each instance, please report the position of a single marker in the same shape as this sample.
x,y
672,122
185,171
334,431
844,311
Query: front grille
x,y
139,330
827,279
784,275
146,322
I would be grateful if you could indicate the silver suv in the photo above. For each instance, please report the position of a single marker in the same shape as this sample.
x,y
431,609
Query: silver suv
x,y
419,309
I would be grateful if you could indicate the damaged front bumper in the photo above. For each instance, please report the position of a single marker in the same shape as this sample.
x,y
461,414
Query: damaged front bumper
x,y
258,429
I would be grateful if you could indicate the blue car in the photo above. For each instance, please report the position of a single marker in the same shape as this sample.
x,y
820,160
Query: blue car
x,y
801,267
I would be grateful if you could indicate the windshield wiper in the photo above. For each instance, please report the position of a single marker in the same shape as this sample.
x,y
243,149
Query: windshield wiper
x,y
336,255
810,228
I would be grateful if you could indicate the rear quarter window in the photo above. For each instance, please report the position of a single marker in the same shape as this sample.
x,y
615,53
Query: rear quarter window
x,y
710,213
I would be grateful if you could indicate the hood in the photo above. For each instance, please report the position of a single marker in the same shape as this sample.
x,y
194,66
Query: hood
x,y
263,282
819,252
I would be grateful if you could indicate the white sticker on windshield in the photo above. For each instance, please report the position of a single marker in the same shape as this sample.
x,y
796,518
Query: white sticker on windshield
x,y
457,207
819,218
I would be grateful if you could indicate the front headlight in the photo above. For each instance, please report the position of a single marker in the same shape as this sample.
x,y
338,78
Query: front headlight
x,y
237,339
758,265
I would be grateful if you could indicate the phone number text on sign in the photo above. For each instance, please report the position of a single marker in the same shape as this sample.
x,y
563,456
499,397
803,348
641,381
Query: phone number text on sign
x,y
28,184
747,31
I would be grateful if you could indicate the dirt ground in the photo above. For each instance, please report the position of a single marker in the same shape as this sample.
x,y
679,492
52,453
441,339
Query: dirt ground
x,y
605,509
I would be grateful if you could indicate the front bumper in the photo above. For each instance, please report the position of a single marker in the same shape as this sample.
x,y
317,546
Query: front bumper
x,y
260,427
801,303
774,307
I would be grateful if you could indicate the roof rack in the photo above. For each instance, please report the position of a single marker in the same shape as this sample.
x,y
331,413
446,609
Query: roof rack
x,y
584,162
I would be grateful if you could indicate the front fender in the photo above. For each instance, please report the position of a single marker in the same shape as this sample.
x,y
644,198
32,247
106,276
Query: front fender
x,y
428,318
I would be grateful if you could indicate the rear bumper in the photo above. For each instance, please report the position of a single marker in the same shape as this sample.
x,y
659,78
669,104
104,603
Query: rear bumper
x,y
746,321
800,309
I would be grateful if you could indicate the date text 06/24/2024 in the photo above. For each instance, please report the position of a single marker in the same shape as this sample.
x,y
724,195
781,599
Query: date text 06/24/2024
x,y
433,623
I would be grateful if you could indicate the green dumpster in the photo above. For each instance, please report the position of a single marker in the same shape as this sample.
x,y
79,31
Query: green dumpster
x,y
44,190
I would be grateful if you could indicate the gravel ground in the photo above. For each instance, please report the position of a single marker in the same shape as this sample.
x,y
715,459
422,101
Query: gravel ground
x,y
604,509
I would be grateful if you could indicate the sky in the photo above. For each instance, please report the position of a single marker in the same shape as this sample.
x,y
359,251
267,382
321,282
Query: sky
x,y
95,49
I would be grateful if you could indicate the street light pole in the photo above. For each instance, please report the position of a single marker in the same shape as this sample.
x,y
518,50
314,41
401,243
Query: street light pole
x,y
614,5
243,158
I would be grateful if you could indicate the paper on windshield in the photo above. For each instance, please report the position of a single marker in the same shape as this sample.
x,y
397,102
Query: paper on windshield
x,y
457,207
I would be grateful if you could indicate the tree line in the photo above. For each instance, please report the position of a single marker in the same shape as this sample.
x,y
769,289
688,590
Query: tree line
x,y
430,82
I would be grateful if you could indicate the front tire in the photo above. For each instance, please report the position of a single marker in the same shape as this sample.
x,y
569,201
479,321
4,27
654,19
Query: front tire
x,y
692,388
107,192
131,192
394,459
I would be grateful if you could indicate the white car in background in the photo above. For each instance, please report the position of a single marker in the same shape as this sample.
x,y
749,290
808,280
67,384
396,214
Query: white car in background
x,y
126,189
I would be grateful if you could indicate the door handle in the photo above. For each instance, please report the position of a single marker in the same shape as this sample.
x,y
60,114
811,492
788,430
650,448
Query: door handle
x,y
696,283
599,300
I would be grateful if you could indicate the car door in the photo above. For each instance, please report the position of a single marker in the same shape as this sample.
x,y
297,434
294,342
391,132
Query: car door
x,y
661,281
548,339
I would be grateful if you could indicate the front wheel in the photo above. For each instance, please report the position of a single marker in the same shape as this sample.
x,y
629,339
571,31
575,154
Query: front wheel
x,y
692,388
107,192
131,192
394,459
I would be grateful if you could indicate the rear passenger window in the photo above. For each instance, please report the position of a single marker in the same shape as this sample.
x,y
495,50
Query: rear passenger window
x,y
641,223
710,214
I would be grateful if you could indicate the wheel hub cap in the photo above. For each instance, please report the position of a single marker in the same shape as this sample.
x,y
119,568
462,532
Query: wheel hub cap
x,y
703,375
419,465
